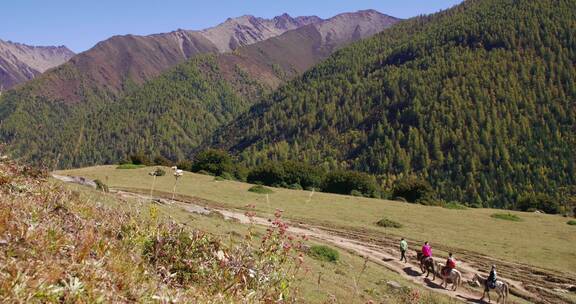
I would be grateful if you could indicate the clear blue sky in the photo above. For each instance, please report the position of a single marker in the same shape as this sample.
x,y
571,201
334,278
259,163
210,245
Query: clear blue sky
x,y
79,24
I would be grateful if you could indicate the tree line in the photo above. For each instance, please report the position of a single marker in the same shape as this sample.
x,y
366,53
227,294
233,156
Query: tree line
x,y
302,176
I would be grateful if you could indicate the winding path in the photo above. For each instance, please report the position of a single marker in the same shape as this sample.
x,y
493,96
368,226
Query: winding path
x,y
384,256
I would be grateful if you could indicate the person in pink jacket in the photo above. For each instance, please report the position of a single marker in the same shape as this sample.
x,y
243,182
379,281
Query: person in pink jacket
x,y
426,251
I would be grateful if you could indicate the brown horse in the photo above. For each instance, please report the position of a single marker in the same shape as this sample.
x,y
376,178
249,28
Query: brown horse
x,y
426,265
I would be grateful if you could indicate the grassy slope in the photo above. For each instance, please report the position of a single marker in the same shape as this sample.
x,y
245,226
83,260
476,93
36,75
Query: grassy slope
x,y
540,240
336,279
71,244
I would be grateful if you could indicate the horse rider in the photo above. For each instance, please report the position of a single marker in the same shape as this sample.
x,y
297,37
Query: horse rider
x,y
491,281
450,264
403,249
426,251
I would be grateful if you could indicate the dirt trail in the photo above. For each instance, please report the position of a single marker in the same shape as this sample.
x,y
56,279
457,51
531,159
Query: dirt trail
x,y
534,285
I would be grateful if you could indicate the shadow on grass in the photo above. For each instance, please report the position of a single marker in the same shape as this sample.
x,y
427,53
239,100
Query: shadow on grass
x,y
411,272
470,300
432,284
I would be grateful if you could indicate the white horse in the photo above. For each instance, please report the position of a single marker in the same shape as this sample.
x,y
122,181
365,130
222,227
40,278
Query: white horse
x,y
501,288
454,277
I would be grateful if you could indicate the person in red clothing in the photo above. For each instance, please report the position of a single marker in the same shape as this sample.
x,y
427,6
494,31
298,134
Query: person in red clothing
x,y
450,264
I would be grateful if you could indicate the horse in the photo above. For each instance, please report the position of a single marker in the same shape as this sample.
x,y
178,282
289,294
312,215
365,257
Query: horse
x,y
426,265
501,288
454,277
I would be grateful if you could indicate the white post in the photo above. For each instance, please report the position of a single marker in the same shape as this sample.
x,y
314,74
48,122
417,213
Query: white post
x,y
174,190
152,188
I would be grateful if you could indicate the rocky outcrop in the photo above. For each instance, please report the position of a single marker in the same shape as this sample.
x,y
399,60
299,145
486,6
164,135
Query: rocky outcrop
x,y
21,62
348,27
246,30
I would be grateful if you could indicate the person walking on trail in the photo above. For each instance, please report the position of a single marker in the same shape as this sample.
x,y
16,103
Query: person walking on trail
x,y
450,264
403,249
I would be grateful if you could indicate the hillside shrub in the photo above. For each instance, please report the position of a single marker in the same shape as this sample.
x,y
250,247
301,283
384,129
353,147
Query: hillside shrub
x,y
214,161
506,217
454,206
130,166
260,189
356,193
538,201
287,174
240,172
269,174
307,176
324,253
345,182
399,199
101,186
227,176
388,223
140,159
204,172
571,223
158,172
160,160
414,190
295,187
35,171
4,180
185,165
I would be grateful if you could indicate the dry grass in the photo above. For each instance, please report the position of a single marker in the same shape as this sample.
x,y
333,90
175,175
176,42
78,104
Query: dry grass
x,y
57,246
552,243
320,282
69,244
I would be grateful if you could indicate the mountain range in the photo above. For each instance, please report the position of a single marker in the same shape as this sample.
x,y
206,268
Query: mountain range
x,y
106,99
20,63
114,65
477,100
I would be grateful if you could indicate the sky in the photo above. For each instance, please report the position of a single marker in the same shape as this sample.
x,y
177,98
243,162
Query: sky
x,y
80,24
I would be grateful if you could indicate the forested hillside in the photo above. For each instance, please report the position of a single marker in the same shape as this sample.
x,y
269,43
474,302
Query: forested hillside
x,y
480,100
169,115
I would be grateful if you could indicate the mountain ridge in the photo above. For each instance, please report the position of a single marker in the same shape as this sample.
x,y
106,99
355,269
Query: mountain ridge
x,y
20,62
122,61
193,97
247,29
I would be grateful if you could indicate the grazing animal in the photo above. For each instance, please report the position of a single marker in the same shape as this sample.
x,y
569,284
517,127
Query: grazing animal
x,y
501,288
454,277
427,265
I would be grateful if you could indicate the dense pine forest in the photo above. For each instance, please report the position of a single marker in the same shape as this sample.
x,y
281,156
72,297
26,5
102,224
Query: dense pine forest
x,y
169,116
480,100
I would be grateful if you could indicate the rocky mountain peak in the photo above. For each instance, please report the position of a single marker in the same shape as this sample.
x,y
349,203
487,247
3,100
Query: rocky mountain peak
x,y
247,29
20,62
360,24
